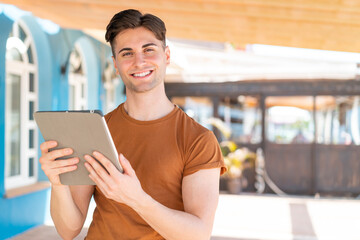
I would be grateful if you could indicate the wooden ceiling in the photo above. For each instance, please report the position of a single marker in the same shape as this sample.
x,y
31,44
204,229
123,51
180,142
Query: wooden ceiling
x,y
317,24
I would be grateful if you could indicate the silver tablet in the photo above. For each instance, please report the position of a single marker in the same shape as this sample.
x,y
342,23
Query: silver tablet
x,y
84,132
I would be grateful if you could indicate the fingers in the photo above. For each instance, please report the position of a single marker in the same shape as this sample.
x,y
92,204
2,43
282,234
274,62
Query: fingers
x,y
103,185
46,155
52,168
95,169
51,156
45,146
59,164
60,153
126,165
58,171
108,165
66,162
93,173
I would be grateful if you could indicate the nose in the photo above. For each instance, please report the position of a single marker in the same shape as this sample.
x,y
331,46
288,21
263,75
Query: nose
x,y
139,59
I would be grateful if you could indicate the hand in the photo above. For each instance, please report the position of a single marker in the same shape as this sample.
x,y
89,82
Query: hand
x,y
121,187
53,168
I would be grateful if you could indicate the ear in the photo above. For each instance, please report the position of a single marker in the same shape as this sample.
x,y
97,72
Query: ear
x,y
167,53
114,61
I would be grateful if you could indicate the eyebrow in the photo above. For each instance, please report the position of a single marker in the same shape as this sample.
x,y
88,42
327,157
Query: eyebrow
x,y
149,44
143,46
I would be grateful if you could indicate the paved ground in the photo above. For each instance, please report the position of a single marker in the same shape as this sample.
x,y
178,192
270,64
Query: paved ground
x,y
266,217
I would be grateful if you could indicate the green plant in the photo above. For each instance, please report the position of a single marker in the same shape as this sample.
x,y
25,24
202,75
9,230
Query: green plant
x,y
236,159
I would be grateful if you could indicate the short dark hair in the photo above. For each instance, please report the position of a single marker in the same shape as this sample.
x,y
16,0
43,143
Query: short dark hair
x,y
132,18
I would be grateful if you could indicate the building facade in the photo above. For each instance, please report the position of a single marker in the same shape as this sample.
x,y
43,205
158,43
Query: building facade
x,y
42,67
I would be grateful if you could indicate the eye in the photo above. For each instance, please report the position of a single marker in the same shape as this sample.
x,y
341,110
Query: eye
x,y
126,54
149,50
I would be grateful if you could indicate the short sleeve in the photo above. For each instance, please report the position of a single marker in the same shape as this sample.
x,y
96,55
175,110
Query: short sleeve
x,y
108,116
204,153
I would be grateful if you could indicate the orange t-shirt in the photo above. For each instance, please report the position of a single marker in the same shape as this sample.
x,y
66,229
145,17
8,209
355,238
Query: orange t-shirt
x,y
162,152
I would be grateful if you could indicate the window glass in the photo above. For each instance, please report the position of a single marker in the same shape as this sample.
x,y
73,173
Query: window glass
x,y
31,167
22,34
31,138
13,124
31,82
290,119
337,120
31,110
30,55
242,116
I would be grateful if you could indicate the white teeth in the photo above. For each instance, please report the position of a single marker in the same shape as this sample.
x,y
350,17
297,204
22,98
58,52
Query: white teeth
x,y
143,74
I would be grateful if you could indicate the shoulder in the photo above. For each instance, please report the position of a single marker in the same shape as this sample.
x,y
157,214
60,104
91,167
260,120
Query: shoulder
x,y
111,114
192,132
189,125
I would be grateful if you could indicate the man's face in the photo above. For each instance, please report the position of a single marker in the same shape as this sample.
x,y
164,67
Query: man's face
x,y
140,59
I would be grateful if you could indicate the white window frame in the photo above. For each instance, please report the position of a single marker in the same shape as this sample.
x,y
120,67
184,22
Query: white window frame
x,y
111,81
23,69
80,83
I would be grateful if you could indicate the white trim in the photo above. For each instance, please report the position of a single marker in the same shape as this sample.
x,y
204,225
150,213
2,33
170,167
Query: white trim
x,y
23,69
80,84
355,121
110,89
27,42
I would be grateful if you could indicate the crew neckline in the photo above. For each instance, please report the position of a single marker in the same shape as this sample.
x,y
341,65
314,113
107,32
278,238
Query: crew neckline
x,y
133,120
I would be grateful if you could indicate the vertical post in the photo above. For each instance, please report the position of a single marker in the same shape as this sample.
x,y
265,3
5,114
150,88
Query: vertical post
x,y
313,187
263,113
215,101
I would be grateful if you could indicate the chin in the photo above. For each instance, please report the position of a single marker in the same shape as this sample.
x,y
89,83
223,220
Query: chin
x,y
142,88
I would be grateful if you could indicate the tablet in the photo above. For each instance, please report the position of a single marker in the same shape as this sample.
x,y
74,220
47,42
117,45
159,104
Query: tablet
x,y
84,132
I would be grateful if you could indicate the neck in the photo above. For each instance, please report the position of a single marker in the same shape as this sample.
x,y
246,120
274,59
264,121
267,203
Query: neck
x,y
148,106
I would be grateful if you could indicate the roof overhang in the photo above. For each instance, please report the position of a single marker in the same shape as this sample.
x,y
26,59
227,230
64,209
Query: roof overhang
x,y
328,25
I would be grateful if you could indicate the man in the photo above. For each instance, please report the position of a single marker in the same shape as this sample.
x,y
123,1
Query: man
x,y
170,185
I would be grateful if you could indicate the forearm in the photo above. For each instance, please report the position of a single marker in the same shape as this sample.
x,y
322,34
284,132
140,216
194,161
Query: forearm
x,y
67,217
200,193
173,224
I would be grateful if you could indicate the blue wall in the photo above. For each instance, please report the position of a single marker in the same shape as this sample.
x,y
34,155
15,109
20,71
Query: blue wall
x,y
24,212
5,28
52,48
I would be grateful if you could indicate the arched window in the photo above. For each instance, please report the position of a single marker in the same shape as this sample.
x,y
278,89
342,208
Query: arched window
x,y
110,81
21,141
77,81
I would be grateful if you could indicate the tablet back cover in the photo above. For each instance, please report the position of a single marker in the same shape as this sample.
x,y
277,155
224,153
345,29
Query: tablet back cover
x,y
84,132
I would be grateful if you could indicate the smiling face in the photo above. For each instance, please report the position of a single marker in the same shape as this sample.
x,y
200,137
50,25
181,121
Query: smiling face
x,y
140,59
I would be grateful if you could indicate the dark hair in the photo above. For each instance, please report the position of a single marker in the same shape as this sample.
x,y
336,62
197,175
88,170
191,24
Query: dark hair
x,y
132,18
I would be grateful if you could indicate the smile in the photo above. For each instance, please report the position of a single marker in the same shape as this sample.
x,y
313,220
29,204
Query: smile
x,y
142,74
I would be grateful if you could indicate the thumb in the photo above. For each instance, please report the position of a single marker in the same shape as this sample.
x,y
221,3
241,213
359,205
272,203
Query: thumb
x,y
126,165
